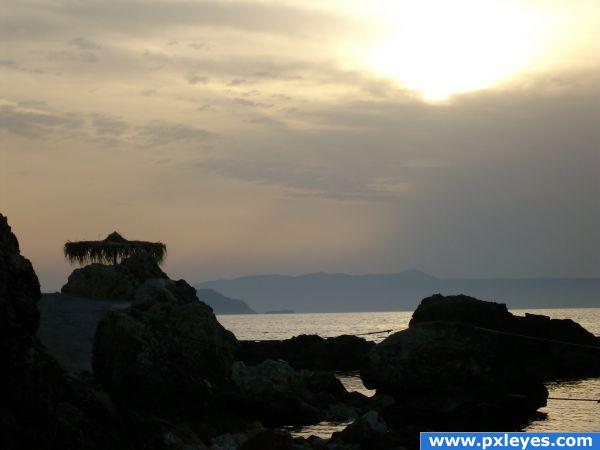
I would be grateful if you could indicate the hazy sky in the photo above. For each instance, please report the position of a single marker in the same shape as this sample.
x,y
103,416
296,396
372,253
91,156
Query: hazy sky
x,y
461,138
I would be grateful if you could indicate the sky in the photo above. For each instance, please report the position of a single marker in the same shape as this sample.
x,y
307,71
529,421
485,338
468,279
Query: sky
x,y
460,138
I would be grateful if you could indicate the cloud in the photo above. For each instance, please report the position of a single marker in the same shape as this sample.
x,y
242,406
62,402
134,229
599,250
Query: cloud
x,y
74,56
317,180
137,18
197,79
107,125
85,44
237,82
37,124
158,132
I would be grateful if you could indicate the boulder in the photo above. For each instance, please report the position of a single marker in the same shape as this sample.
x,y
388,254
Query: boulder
x,y
119,282
31,381
452,375
341,353
369,431
19,288
269,440
277,394
550,348
100,281
165,353
495,316
141,267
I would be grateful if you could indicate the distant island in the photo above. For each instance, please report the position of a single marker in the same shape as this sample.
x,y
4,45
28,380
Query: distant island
x,y
281,311
331,292
223,305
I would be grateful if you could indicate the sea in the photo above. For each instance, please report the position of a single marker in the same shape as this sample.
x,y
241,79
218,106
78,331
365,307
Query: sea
x,y
558,415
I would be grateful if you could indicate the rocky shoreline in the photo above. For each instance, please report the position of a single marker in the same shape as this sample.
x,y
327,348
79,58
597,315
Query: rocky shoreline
x,y
160,372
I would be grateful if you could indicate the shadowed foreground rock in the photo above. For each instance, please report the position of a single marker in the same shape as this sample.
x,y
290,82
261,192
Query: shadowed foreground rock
x,y
31,381
164,353
276,394
342,353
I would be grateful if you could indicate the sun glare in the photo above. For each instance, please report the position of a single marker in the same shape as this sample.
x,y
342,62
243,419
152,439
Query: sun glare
x,y
440,48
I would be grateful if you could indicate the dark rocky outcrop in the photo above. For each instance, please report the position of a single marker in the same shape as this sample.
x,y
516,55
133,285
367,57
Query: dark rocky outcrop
x,y
369,432
164,353
466,363
495,316
341,353
276,394
452,376
118,281
555,349
31,381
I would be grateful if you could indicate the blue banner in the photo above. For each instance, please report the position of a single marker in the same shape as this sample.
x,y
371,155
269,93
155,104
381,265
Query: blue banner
x,y
510,441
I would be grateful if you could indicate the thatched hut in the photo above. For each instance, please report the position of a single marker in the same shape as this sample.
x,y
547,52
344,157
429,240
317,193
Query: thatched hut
x,y
112,250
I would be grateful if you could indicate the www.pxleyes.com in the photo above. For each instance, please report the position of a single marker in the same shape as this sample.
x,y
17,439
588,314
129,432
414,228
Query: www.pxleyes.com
x,y
520,441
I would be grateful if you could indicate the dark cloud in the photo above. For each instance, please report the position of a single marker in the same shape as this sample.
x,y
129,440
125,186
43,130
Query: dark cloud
x,y
43,21
237,82
10,63
37,124
316,180
198,45
107,125
159,132
197,79
85,44
73,56
131,16
251,103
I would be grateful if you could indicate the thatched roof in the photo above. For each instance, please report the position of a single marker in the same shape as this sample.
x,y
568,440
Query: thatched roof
x,y
111,250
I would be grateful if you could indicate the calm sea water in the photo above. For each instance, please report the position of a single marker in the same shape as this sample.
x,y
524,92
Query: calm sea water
x,y
559,415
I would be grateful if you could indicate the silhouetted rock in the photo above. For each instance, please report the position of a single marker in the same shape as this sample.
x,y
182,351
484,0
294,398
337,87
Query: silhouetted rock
x,y
550,348
276,394
368,432
469,364
451,373
19,288
269,440
166,352
31,381
461,308
142,267
118,281
343,353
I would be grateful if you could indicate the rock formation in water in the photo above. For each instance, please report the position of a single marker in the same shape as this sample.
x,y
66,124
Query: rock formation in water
x,y
276,394
452,375
550,348
468,364
343,353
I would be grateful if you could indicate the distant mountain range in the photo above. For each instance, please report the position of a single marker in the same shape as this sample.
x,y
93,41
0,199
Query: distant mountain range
x,y
223,305
330,292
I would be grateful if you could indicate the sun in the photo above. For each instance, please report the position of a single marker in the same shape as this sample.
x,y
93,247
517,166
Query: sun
x,y
441,47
